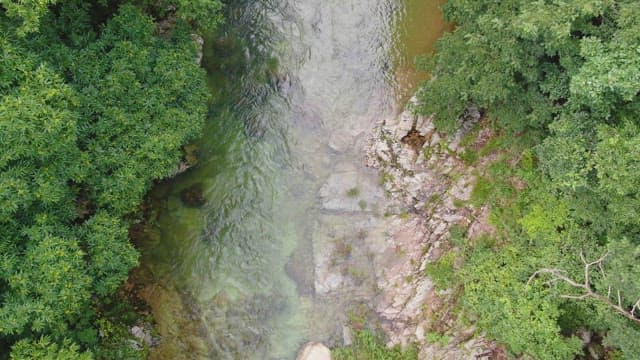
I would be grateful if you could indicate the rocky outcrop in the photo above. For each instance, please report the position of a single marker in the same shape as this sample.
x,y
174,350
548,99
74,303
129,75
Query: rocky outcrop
x,y
425,178
378,232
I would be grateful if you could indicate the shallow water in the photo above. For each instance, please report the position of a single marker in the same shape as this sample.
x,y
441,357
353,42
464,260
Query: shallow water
x,y
297,84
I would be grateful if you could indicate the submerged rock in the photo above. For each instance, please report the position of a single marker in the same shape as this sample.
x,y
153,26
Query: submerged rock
x,y
299,269
314,351
348,189
193,196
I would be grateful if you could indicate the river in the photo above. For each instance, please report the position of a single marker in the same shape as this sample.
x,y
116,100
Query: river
x,y
297,85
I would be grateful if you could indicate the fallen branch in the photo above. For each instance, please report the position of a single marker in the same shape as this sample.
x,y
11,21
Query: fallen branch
x,y
585,286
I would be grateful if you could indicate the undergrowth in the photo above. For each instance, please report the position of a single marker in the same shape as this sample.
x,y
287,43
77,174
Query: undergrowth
x,y
369,346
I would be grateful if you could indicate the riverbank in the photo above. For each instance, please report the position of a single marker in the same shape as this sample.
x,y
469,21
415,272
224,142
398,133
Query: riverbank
x,y
273,258
426,196
293,238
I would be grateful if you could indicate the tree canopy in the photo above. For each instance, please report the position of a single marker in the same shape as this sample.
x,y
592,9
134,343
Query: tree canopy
x,y
95,104
562,76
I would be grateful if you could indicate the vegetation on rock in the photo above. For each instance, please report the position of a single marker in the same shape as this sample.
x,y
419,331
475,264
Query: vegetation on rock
x,y
369,346
561,79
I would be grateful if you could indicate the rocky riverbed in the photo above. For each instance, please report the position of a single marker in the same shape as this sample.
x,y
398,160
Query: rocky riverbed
x,y
300,179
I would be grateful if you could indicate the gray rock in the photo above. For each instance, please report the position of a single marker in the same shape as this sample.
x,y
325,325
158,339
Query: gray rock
x,y
299,268
314,351
143,335
199,41
349,190
347,338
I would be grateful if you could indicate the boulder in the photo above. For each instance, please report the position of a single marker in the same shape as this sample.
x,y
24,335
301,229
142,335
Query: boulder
x,y
314,351
142,334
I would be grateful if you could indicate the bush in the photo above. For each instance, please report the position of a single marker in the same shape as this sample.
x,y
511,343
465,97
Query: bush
x,y
369,346
442,272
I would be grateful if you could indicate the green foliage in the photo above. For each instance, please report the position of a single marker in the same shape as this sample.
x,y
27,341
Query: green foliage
x,y
562,77
148,97
516,60
369,346
458,236
459,203
385,178
28,11
622,335
437,338
110,251
623,267
203,13
545,217
442,272
94,106
46,286
469,156
45,349
481,191
523,318
116,341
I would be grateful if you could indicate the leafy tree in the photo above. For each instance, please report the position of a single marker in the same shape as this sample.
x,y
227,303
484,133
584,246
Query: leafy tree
x,y
38,149
94,106
28,12
45,349
111,253
204,13
142,98
522,317
566,72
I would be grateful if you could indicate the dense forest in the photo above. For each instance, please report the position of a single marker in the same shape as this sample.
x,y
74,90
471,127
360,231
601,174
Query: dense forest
x,y
560,82
96,103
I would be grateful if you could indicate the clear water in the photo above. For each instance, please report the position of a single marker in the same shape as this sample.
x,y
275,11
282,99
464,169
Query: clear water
x,y
297,84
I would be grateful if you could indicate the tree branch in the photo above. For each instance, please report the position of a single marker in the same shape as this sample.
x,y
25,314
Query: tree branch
x,y
585,287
